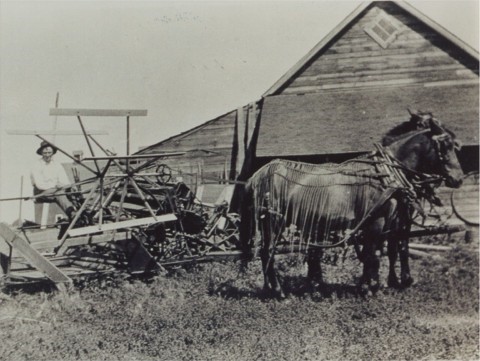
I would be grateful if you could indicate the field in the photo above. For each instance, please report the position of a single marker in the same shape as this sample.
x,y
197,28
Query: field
x,y
214,312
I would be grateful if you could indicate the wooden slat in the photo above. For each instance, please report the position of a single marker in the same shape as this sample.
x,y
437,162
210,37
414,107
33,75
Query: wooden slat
x,y
57,132
99,112
365,73
451,83
81,240
466,200
32,255
466,207
136,156
241,138
123,224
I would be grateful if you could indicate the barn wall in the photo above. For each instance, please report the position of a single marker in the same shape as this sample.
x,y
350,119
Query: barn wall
x,y
354,60
214,151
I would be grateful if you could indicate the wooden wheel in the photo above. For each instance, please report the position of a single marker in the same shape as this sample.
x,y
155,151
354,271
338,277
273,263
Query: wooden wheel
x,y
164,173
465,200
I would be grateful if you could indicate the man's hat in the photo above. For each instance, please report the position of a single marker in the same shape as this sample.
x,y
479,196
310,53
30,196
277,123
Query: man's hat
x,y
43,145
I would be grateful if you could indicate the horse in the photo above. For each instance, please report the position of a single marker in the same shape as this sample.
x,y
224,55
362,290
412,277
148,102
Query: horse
x,y
354,198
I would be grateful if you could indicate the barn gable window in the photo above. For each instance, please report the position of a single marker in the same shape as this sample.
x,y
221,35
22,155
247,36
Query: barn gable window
x,y
383,29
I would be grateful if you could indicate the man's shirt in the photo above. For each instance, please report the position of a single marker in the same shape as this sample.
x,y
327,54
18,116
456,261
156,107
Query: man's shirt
x,y
48,175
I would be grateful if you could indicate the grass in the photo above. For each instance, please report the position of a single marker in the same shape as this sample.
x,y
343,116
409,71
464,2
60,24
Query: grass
x,y
213,312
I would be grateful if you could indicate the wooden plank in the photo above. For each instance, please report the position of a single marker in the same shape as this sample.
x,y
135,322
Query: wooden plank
x,y
99,112
376,63
433,231
451,83
421,76
241,138
136,156
123,224
57,132
81,240
417,253
307,89
430,247
32,255
466,200
126,205
466,207
365,73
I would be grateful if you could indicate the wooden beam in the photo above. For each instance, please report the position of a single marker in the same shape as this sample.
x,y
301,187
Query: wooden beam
x,y
82,240
430,247
57,132
241,138
123,224
32,255
99,112
136,156
437,230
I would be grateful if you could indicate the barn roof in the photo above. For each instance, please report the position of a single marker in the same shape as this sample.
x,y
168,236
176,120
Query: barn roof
x,y
352,17
311,125
175,139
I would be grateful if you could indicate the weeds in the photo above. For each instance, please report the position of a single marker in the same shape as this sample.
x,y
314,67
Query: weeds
x,y
215,312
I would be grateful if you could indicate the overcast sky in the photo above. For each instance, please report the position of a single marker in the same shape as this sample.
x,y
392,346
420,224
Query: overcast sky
x,y
186,62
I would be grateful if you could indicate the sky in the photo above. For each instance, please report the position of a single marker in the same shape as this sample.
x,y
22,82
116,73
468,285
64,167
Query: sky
x,y
185,62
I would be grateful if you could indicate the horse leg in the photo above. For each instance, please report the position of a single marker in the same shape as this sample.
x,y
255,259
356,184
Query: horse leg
x,y
398,244
393,225
314,266
392,257
371,263
267,256
271,282
405,277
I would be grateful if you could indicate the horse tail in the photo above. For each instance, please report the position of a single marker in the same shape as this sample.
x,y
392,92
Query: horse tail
x,y
247,224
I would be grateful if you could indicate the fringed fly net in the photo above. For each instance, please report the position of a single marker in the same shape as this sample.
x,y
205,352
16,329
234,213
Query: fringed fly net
x,y
317,199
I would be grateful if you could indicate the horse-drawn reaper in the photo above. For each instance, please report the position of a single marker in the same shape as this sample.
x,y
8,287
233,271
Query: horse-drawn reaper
x,y
363,201
129,216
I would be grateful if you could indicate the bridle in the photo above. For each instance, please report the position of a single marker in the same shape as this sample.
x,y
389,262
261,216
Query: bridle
x,y
440,142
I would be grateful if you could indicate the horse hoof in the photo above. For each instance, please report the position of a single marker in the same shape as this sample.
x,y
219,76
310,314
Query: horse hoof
x,y
407,282
393,282
280,295
363,289
374,286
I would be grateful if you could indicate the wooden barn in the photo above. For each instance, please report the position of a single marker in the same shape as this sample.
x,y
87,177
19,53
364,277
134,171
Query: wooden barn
x,y
341,97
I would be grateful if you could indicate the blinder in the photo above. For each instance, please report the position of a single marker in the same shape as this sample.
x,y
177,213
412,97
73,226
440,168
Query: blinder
x,y
443,143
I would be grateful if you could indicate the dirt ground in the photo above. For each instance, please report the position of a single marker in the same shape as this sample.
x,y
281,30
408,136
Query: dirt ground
x,y
214,312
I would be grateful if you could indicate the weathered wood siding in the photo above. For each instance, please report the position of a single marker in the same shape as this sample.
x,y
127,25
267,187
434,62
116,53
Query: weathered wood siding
x,y
214,151
329,123
208,150
417,57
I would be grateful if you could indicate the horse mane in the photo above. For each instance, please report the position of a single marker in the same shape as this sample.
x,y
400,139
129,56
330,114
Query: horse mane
x,y
418,121
398,132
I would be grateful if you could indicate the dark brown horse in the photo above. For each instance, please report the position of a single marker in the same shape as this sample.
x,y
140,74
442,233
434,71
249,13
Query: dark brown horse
x,y
355,196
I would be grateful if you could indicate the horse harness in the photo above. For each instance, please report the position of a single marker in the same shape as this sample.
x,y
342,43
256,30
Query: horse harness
x,y
392,175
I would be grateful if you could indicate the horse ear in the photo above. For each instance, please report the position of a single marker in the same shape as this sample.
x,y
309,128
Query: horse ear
x,y
458,144
435,126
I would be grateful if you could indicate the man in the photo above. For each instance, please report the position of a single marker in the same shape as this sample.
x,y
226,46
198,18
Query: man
x,y
49,177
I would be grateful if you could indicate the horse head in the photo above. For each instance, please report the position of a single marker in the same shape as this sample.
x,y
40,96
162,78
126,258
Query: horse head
x,y
419,119
427,147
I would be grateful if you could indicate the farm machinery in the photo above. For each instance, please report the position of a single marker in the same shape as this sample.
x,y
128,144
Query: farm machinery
x,y
131,217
